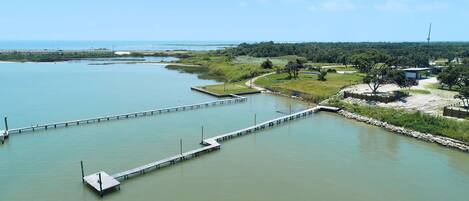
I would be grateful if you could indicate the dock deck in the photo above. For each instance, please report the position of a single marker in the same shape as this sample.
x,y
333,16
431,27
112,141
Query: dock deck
x,y
101,182
235,99
213,143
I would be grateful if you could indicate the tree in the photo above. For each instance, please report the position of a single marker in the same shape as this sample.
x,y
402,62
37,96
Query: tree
x,y
364,62
267,64
322,75
465,61
376,77
464,96
399,78
291,68
343,59
449,77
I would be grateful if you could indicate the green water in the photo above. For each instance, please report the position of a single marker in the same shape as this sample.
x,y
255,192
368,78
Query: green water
x,y
324,157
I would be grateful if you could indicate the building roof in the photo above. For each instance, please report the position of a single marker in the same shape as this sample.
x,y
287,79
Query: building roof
x,y
416,69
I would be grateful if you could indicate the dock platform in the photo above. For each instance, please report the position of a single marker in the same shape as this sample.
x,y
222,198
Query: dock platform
x,y
213,143
3,136
101,182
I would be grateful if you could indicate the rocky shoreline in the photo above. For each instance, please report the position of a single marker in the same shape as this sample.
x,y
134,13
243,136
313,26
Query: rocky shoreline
x,y
444,141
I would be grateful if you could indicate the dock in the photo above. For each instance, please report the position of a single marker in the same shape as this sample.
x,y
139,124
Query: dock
x,y
64,124
101,182
3,135
209,145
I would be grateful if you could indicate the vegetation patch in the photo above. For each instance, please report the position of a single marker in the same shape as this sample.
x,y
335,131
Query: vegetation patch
x,y
229,88
415,91
277,61
222,68
309,86
54,56
412,120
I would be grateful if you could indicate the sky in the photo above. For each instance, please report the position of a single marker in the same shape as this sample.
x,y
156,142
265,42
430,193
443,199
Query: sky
x,y
235,20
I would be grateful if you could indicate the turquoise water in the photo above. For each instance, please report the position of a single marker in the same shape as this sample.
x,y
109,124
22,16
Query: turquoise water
x,y
324,157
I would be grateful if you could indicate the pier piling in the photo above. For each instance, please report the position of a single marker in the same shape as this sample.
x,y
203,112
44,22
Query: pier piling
x,y
202,138
6,123
82,172
180,146
100,185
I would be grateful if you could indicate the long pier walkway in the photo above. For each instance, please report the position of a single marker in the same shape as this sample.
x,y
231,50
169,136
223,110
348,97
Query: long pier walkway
x,y
5,133
210,144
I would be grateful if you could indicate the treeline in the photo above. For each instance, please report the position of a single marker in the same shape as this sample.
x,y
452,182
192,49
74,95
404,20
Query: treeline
x,y
405,54
53,56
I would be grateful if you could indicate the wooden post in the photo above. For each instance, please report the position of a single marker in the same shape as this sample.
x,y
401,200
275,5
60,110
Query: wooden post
x,y
82,172
290,108
100,185
255,119
6,123
202,138
180,146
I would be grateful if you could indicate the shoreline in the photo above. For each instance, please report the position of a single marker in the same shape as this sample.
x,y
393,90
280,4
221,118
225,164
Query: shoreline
x,y
427,137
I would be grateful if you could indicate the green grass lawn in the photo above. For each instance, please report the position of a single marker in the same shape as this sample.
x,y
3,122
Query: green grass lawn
x,y
308,86
229,88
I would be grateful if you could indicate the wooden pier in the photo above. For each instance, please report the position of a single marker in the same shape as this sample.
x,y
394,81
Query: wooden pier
x,y
210,144
234,99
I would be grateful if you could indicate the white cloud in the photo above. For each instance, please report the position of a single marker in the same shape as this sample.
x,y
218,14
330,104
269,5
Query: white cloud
x,y
333,6
406,6
432,6
393,6
337,6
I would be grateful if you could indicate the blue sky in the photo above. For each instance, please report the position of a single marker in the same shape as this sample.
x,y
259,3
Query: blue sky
x,y
235,20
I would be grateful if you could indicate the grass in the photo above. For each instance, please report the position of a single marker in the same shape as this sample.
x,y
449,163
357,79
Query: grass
x,y
277,61
308,86
415,91
201,71
442,87
229,88
412,120
221,68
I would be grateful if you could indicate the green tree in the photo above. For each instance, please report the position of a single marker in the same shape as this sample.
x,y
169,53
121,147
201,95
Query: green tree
x,y
465,61
293,68
364,62
464,96
322,75
449,77
376,77
267,64
399,78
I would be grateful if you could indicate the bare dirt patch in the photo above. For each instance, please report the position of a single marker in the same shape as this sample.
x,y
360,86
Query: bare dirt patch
x,y
431,103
